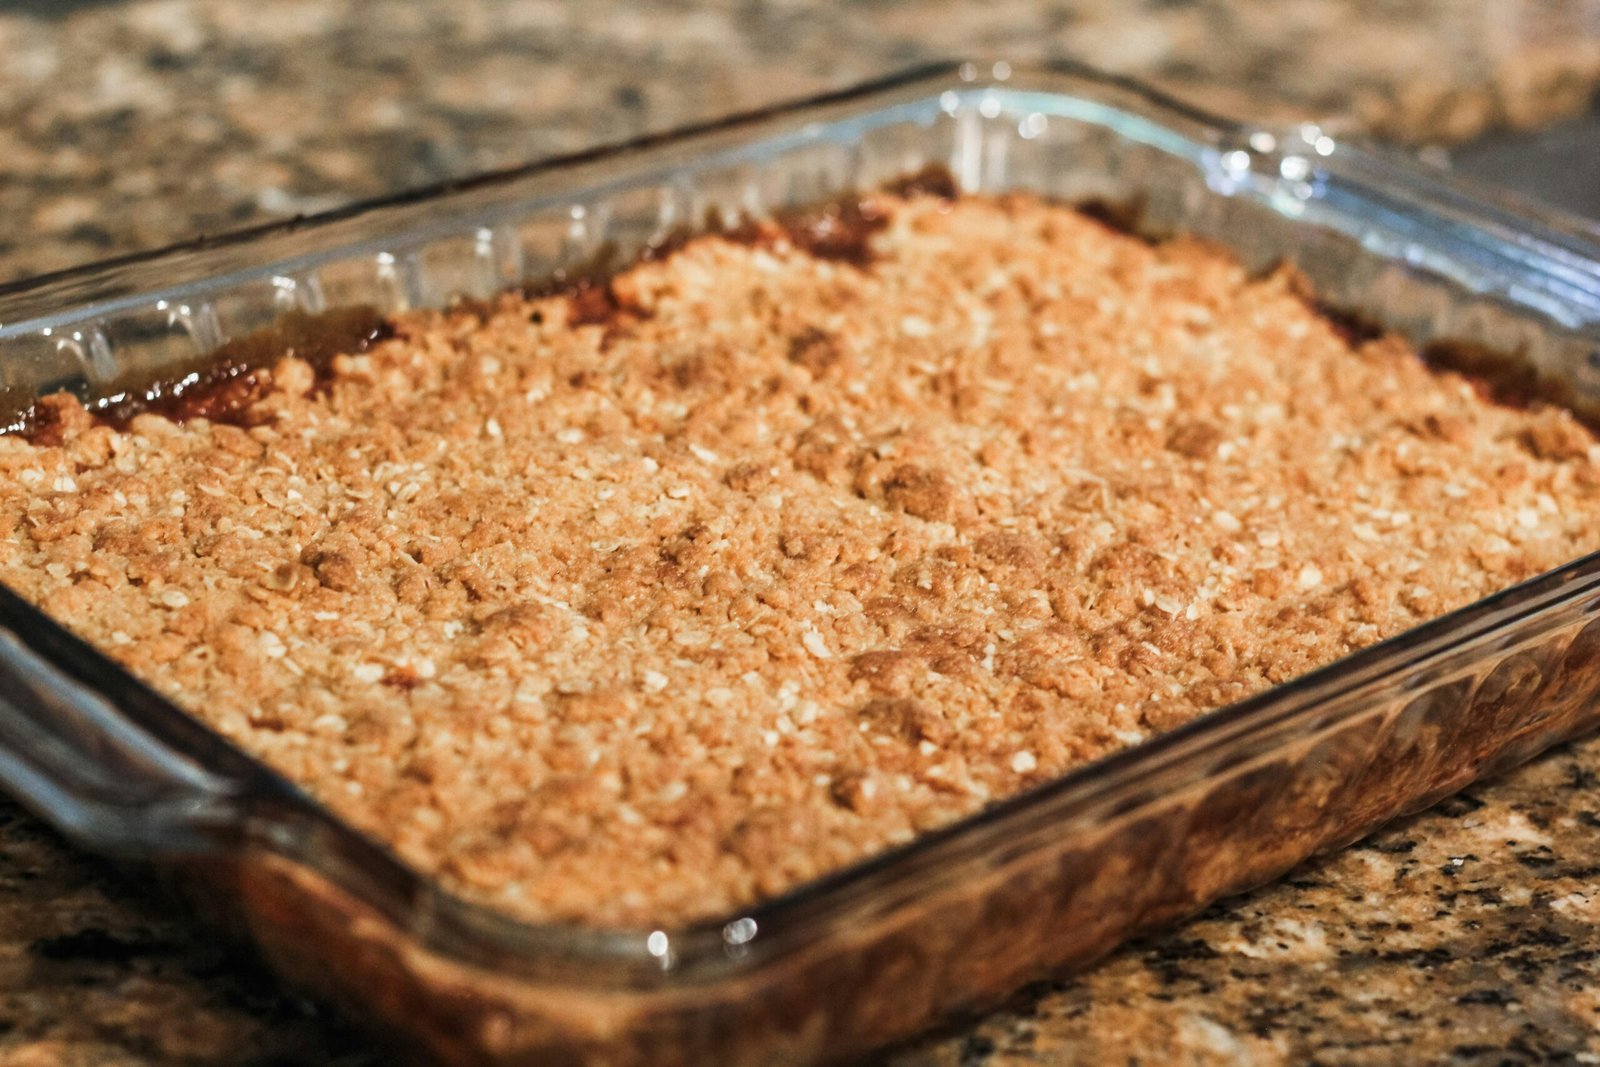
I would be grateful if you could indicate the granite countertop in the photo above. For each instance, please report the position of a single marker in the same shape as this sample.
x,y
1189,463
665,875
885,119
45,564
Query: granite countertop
x,y
1468,934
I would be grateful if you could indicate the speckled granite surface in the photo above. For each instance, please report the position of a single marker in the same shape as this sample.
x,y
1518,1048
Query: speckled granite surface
x,y
130,125
1466,935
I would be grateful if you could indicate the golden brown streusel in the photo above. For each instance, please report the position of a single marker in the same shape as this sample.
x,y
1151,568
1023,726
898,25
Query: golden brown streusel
x,y
788,560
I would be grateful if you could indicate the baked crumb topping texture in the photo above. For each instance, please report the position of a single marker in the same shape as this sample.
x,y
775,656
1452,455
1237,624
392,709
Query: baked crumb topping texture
x,y
639,611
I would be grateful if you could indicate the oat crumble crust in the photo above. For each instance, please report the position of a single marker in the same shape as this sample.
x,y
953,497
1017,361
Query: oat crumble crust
x,y
787,560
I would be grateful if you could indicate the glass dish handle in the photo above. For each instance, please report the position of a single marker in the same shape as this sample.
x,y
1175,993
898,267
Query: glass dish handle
x,y
122,776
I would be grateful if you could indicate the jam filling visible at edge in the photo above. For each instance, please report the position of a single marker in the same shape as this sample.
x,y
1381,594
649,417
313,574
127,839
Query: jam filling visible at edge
x,y
223,386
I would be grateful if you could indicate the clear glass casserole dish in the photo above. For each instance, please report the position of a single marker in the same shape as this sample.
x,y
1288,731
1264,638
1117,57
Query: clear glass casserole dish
x,y
960,917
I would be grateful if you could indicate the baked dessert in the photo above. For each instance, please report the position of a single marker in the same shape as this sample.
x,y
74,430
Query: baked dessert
x,y
639,602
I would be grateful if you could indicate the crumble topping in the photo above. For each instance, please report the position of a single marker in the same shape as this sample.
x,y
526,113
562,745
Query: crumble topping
x,y
638,616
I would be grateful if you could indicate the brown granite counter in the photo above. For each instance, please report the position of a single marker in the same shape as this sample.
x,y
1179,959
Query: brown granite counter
x,y
129,125
1466,935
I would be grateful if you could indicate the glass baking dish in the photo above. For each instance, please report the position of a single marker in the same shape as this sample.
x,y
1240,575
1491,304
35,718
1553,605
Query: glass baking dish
x,y
958,918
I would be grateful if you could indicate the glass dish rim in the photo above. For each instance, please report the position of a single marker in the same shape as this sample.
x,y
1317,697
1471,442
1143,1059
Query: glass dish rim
x,y
460,928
